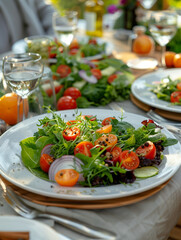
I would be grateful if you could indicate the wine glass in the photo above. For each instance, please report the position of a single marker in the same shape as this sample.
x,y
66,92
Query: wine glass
x,y
147,4
163,26
22,73
65,26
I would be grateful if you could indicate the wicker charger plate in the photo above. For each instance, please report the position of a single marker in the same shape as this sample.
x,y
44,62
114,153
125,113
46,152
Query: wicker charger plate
x,y
87,204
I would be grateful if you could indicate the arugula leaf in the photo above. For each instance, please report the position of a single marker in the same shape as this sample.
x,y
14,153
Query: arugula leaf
x,y
30,154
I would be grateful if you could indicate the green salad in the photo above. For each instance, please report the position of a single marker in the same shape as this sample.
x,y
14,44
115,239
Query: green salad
x,y
94,152
168,90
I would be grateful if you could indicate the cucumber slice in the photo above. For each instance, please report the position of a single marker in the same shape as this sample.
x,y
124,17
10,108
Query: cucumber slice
x,y
146,172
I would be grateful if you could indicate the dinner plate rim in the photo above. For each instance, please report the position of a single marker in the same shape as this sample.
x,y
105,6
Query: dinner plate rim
x,y
139,94
84,193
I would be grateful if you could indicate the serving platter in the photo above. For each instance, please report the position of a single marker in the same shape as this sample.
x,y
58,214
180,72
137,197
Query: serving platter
x,y
13,170
141,90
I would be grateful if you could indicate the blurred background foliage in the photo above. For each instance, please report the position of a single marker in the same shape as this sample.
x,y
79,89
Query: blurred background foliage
x,y
77,5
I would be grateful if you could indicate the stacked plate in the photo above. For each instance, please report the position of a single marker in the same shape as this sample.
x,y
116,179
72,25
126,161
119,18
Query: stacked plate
x,y
28,186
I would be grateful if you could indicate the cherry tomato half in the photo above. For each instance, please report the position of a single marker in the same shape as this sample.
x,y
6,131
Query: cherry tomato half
x,y
71,134
45,162
179,86
49,91
93,41
74,44
63,70
66,102
91,117
111,78
129,160
105,129
84,148
107,121
72,92
175,97
116,152
147,150
97,73
107,141
71,122
73,51
67,177
52,51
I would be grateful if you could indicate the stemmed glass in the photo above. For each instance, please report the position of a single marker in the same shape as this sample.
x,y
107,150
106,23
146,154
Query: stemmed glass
x,y
65,26
163,26
147,4
22,73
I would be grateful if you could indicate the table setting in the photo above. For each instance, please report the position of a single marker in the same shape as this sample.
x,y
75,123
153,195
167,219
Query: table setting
x,y
91,84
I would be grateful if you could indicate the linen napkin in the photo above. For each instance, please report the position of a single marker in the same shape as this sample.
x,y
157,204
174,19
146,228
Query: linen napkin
x,y
152,218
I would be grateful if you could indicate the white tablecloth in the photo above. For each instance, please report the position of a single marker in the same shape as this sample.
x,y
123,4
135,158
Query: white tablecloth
x,y
150,219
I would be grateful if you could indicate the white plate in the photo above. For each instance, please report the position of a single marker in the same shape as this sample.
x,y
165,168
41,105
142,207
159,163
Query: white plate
x,y
14,171
36,229
142,63
142,92
20,47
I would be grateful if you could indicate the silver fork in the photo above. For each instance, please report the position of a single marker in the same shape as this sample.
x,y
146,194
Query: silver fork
x,y
72,224
170,125
159,118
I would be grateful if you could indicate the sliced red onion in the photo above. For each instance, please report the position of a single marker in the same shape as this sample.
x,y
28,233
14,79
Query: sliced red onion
x,y
65,162
47,150
91,64
87,78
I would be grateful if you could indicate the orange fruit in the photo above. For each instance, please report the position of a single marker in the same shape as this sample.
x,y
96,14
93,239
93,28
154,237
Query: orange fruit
x,y
143,44
169,57
8,108
177,60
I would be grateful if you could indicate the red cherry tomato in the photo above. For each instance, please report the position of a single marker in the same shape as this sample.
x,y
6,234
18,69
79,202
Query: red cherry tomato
x,y
73,51
147,150
71,134
93,41
179,86
72,92
49,91
107,121
63,70
105,129
66,102
107,140
97,73
45,162
52,51
116,152
67,177
129,160
74,44
111,78
84,148
175,97
146,122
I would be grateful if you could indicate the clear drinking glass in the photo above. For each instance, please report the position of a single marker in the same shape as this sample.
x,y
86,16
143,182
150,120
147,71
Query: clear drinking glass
x,y
147,4
163,26
22,73
65,26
